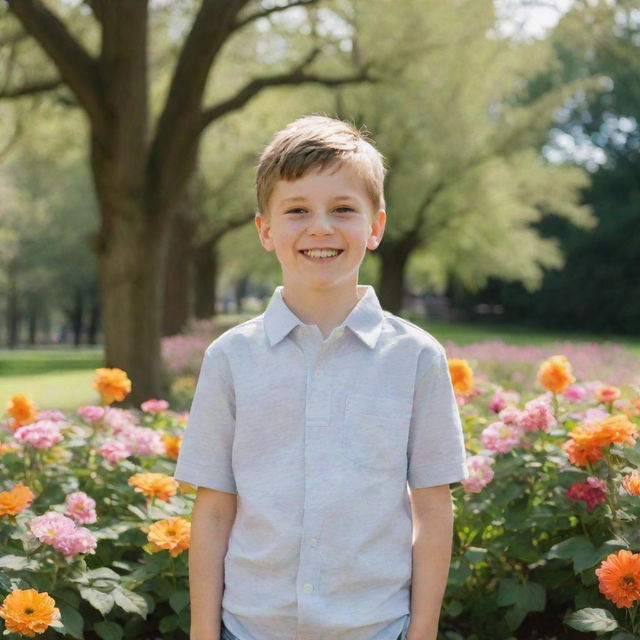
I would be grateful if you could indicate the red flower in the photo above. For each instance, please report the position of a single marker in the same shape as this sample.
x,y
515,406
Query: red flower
x,y
590,491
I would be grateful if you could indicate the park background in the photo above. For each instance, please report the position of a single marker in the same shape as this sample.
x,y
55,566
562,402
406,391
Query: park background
x,y
129,135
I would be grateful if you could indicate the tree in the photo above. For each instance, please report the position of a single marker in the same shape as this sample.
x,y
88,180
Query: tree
x,y
140,164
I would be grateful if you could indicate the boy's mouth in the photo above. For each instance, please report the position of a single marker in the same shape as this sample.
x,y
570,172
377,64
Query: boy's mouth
x,y
321,254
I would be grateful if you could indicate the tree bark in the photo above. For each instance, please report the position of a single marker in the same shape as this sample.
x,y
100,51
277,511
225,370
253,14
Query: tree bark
x,y
390,288
205,262
13,307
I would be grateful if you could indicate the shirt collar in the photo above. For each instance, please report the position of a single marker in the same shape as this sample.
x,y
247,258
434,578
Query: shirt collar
x,y
364,320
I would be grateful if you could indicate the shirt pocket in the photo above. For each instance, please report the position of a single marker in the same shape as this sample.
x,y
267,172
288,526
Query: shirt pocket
x,y
376,431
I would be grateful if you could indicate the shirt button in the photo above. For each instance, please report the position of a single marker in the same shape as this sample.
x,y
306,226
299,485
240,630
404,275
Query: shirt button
x,y
313,542
319,373
307,588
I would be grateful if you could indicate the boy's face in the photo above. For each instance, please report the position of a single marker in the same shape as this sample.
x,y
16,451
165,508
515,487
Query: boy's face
x,y
327,209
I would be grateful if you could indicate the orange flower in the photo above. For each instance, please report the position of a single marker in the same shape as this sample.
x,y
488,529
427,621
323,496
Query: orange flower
x,y
607,394
172,445
555,374
461,376
619,578
22,410
172,534
617,428
28,612
154,485
16,500
112,384
580,454
631,483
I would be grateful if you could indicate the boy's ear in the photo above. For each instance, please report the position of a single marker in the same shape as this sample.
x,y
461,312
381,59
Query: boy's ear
x,y
377,230
264,231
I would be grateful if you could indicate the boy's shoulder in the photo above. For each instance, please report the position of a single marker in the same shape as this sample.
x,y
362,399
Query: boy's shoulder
x,y
247,331
413,332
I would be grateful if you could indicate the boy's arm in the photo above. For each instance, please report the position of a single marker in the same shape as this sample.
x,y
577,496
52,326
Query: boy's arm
x,y
432,513
212,519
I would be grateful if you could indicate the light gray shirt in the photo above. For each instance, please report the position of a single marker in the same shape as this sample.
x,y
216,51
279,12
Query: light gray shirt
x,y
319,439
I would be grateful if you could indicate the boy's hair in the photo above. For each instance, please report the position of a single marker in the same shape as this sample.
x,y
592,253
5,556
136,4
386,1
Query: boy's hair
x,y
315,142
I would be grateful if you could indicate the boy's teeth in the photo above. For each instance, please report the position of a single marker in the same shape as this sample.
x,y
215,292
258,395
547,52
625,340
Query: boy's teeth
x,y
321,253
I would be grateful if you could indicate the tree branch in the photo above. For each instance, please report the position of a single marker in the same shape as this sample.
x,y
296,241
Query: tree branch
x,y
267,12
32,88
297,75
77,68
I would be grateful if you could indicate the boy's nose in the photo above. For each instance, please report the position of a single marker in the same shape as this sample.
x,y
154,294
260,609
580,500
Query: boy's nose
x,y
320,222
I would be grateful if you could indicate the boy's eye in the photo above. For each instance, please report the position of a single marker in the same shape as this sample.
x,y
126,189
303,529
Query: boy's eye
x,y
295,211
344,209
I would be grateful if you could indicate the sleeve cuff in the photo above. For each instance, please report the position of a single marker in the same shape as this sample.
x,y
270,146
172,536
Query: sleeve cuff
x,y
432,475
203,476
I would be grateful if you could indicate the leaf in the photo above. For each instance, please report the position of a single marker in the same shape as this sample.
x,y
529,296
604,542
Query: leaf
x,y
592,620
18,563
72,621
130,601
108,630
475,554
168,623
179,600
514,618
103,602
623,635
529,596
507,592
103,572
578,549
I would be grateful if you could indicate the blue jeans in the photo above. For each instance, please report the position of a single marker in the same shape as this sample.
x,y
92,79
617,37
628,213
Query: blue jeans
x,y
225,634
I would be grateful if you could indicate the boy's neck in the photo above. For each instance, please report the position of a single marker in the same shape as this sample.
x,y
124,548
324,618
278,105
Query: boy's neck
x,y
326,308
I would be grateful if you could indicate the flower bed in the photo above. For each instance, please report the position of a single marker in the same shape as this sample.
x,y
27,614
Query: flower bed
x,y
93,528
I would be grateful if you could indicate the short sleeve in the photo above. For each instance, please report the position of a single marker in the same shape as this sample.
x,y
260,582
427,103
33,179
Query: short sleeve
x,y
205,452
436,453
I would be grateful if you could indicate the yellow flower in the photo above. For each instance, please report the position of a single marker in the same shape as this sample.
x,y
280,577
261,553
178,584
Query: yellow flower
x,y
631,483
154,485
172,534
555,374
22,410
112,384
29,612
461,376
16,500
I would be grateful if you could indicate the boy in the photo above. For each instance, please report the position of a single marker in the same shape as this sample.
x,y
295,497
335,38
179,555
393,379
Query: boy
x,y
309,420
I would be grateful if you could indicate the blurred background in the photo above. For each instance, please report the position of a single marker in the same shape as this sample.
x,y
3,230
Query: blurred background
x,y
130,133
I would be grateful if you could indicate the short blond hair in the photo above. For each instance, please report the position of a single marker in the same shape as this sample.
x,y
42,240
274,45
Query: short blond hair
x,y
317,141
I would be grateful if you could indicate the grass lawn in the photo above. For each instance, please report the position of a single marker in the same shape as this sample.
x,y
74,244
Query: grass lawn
x,y
61,377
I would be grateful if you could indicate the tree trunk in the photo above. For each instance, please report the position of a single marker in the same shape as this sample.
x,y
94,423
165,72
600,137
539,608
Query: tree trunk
x,y
178,284
13,309
32,322
93,323
132,275
205,262
390,287
76,316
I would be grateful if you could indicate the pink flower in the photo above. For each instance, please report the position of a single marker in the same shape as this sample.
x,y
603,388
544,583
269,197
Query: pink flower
x,y
154,405
42,434
510,415
502,399
114,450
81,508
62,534
51,414
119,419
500,437
51,527
574,393
537,416
591,491
91,413
80,541
480,473
144,441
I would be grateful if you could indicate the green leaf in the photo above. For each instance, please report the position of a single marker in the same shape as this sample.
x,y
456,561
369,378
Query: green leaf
x,y
72,621
103,602
168,623
475,554
623,635
18,563
507,592
514,618
179,600
578,549
108,630
592,620
103,573
531,596
130,601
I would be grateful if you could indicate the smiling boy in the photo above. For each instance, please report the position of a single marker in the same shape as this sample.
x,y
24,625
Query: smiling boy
x,y
309,422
